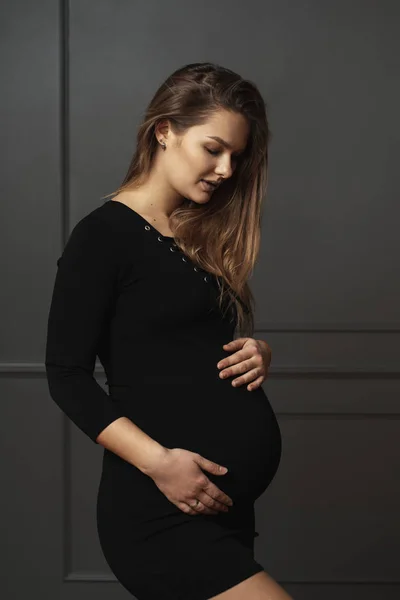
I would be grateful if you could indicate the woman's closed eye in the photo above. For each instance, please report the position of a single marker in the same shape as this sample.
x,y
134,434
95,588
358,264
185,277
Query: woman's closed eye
x,y
215,152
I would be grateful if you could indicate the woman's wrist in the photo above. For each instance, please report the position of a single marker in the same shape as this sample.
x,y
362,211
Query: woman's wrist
x,y
153,455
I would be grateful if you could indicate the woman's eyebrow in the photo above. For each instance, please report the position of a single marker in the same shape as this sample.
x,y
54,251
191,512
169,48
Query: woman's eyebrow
x,y
223,142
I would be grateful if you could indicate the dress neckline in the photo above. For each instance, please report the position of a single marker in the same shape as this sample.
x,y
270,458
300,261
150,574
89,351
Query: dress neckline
x,y
166,237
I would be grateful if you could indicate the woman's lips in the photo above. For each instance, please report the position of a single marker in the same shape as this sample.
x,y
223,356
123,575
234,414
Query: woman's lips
x,y
207,187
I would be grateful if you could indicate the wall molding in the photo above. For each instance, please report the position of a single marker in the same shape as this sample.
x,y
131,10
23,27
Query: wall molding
x,y
276,372
104,577
361,327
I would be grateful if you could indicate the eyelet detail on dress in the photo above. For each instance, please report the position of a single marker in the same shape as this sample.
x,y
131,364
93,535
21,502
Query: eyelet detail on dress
x,y
174,248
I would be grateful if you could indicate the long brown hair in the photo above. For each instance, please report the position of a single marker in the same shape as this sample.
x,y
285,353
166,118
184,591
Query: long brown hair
x,y
223,236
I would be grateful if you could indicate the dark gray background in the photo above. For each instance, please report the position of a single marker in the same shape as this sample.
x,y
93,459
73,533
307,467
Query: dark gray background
x,y
76,78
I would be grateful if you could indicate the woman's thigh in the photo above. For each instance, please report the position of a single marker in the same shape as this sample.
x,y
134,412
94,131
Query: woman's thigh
x,y
257,587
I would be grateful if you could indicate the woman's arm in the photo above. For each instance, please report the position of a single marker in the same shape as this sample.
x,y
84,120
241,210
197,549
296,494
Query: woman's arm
x,y
81,306
132,444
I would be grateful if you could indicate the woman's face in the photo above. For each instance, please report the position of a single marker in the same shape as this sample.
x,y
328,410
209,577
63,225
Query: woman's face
x,y
196,156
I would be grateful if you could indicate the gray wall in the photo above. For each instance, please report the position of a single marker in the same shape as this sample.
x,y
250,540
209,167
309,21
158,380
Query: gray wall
x,y
76,78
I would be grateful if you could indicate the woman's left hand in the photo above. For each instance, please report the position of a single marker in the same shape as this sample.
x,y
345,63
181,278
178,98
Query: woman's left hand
x,y
251,361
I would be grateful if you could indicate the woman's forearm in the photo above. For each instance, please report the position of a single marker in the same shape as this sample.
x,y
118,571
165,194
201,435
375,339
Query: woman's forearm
x,y
131,443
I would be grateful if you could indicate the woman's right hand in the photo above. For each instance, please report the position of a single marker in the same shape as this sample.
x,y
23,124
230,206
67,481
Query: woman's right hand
x,y
179,476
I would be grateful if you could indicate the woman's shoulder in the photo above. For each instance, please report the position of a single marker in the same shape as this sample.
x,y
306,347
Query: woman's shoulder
x,y
110,219
105,212
102,230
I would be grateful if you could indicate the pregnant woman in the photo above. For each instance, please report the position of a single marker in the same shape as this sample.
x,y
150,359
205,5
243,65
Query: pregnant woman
x,y
154,283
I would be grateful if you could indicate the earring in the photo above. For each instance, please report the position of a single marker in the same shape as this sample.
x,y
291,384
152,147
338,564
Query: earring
x,y
163,145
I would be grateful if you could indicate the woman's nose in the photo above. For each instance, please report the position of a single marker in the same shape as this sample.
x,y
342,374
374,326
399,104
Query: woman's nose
x,y
225,170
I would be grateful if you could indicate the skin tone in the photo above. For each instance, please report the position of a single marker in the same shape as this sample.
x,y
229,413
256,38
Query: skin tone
x,y
177,171
176,174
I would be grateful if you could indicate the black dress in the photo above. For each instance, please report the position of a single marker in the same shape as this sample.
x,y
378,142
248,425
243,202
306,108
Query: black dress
x,y
129,295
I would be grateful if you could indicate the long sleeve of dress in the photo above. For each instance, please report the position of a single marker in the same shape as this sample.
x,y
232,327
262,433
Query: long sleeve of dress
x,y
81,304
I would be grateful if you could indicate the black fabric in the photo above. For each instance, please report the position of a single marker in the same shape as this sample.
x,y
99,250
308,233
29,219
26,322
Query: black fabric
x,y
127,294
